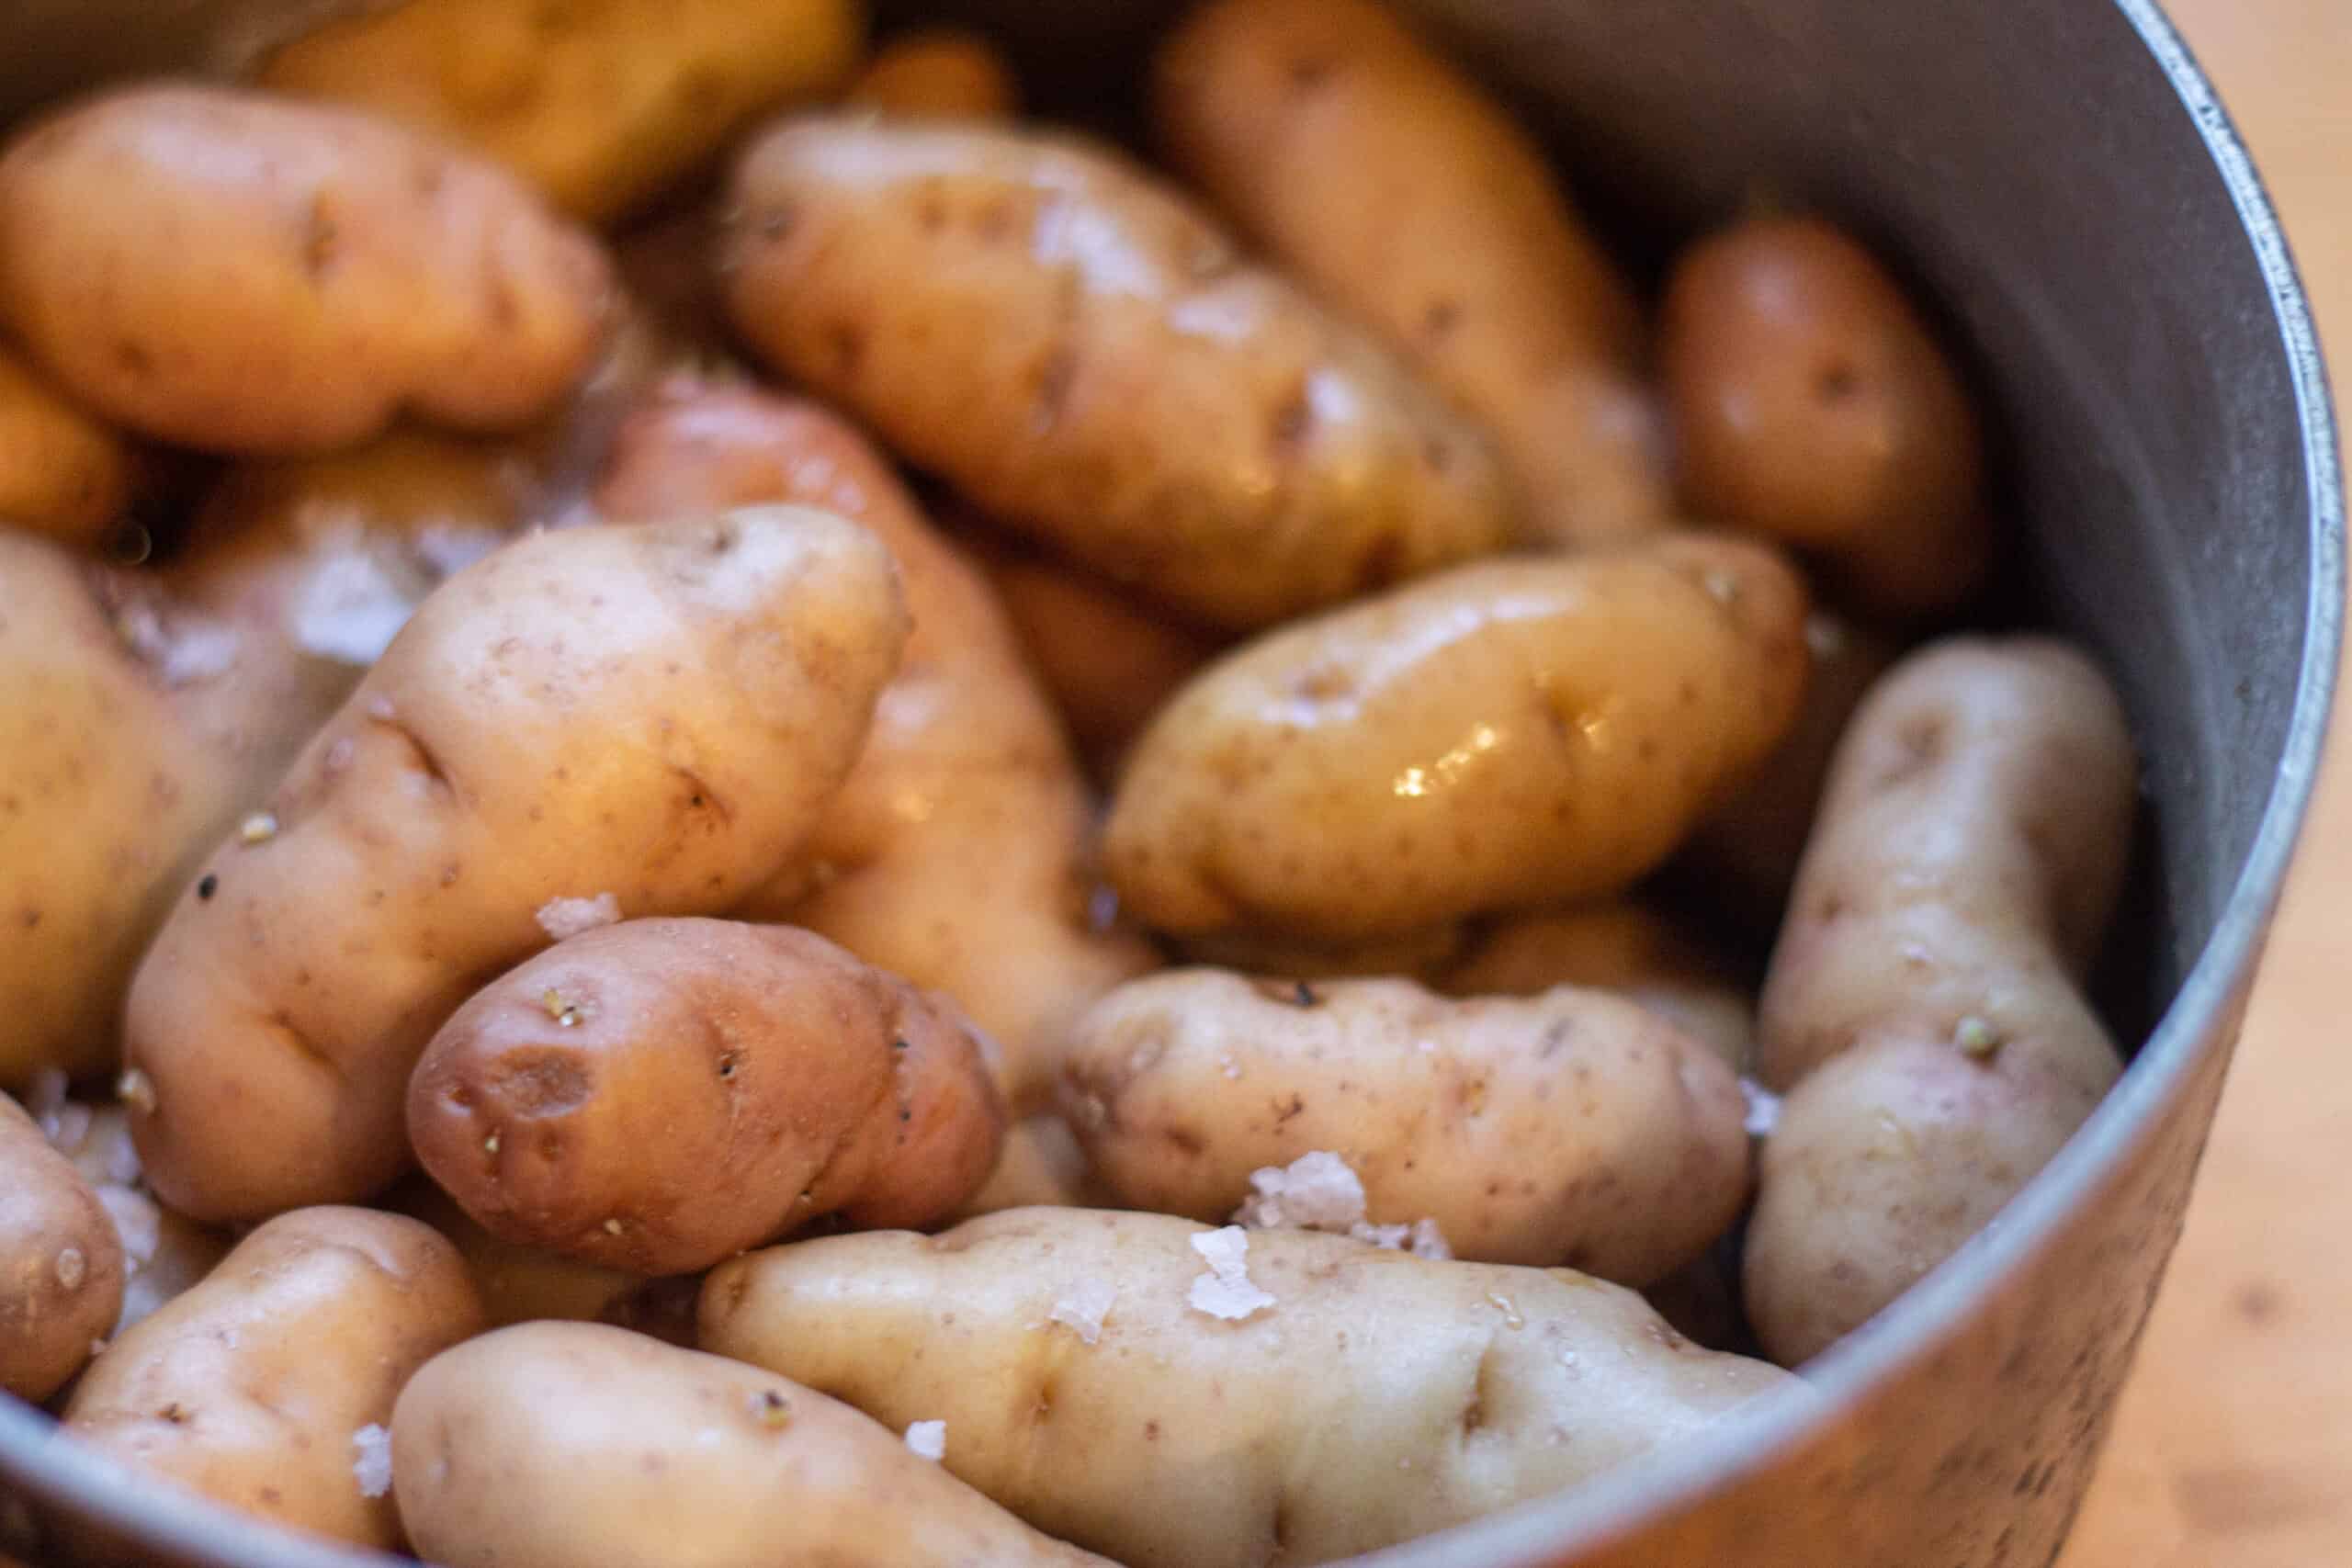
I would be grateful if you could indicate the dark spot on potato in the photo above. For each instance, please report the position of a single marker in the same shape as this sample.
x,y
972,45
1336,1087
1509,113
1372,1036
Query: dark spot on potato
x,y
996,221
321,236
1836,381
1440,318
175,1413
773,221
1293,422
931,209
206,886
1438,453
2258,1300
132,358
1184,1140
1382,561
1283,1113
1151,1431
729,1064
700,87
1050,394
847,342
540,1082
1308,72
272,1498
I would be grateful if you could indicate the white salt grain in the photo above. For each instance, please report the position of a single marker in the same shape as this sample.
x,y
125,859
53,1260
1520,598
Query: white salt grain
x,y
374,1466
348,609
1763,1109
1316,1191
1224,1290
928,1440
137,1221
1083,1307
563,918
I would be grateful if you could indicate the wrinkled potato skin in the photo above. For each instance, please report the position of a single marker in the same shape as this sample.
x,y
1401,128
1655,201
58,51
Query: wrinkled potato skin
x,y
599,107
1626,947
1380,1398
554,1444
1080,353
248,1388
1394,186
1812,404
955,855
659,713
61,472
1968,852
939,73
1510,733
719,1085
1745,852
60,1263
1572,1127
272,278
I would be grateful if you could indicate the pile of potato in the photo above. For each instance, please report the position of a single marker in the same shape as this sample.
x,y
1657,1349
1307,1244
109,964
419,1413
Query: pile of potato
x,y
1149,986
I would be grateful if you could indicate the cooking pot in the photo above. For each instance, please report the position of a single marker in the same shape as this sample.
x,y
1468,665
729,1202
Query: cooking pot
x,y
2059,178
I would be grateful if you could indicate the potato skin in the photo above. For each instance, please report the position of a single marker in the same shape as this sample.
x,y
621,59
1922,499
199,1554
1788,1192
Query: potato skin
x,y
1040,321
267,277
1507,734
556,1444
1812,404
955,855
662,1094
1394,186
658,713
248,1388
599,107
1570,1127
939,73
60,1262
1380,1398
63,473
1922,1016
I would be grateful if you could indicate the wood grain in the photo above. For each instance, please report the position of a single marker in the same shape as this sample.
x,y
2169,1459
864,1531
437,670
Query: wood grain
x,y
2234,1445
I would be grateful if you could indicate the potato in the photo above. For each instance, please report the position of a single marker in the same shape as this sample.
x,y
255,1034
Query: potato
x,y
1044,325
252,1388
60,1264
243,275
557,1445
1373,1398
656,715
599,105
1508,734
939,73
61,472
1041,1164
1108,661
517,1284
1626,947
1812,404
1415,955
660,1095
1571,1127
1392,184
1923,1015
1744,855
954,855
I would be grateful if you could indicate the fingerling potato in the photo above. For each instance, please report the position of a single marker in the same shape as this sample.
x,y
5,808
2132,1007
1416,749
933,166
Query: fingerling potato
x,y
60,1263
1041,322
63,472
939,73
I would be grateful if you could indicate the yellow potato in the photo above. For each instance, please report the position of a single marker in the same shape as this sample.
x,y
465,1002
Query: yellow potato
x,y
1042,323
61,472
60,1263
1924,1015
599,103
655,715
954,855
255,1387
1395,187
244,275
1373,1398
558,1445
1508,734
1627,947
1572,1127
1811,403
939,73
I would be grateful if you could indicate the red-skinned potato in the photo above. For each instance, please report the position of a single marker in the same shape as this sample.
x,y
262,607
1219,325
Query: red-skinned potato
x,y
63,471
60,1263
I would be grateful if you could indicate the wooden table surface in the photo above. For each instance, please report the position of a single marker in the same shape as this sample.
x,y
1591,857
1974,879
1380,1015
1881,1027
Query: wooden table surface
x,y
2234,1445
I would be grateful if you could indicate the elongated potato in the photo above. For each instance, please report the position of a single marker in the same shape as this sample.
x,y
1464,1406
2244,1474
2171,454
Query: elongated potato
x,y
1631,948
662,1094
1038,320
658,715
255,1387
1812,404
1508,734
558,1445
599,105
63,472
245,275
1923,1015
1570,1127
60,1263
939,73
1371,1398
1397,187
955,853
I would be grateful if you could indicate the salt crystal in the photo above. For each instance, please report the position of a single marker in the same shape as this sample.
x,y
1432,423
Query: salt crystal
x,y
927,1439
1428,1242
348,609
448,547
136,1219
563,918
374,1466
1316,1191
1224,1290
1763,1109
1082,1308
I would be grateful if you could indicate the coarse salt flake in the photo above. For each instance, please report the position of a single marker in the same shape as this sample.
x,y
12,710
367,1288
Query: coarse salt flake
x,y
1763,1109
563,918
374,1466
349,609
1083,1306
1317,1191
1225,1289
927,1439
